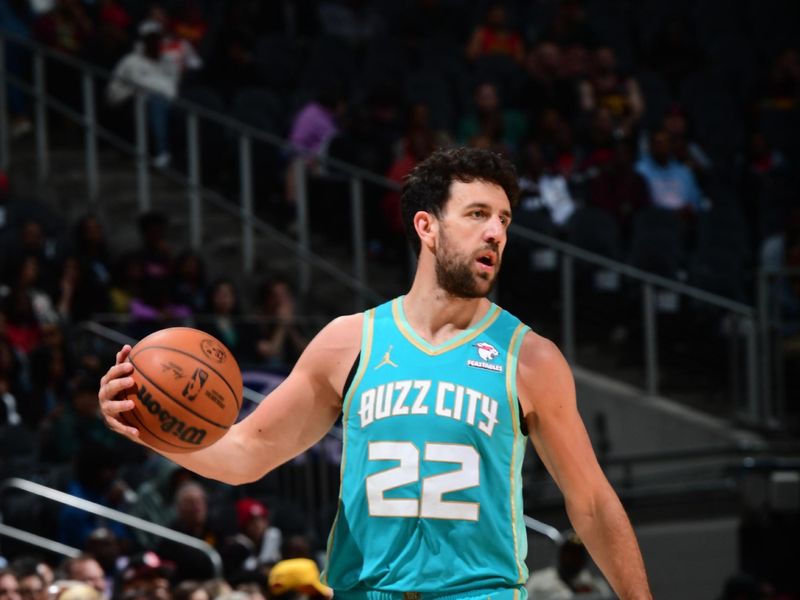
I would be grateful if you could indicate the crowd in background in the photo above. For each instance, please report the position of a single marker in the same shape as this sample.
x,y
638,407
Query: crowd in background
x,y
658,135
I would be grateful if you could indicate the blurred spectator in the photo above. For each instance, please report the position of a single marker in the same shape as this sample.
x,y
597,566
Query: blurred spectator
x,y
254,590
86,569
570,25
545,84
296,546
27,306
619,189
781,90
190,590
540,189
146,577
31,563
494,37
352,21
16,17
112,35
66,27
68,589
600,140
606,86
9,370
223,320
217,587
293,577
78,424
490,118
9,585
107,549
155,497
190,281
570,577
95,477
188,25
49,366
316,122
280,339
685,149
782,250
192,518
256,543
127,279
146,67
672,184
32,586
674,53
30,239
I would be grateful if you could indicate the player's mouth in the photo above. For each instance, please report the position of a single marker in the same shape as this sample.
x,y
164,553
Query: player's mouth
x,y
487,261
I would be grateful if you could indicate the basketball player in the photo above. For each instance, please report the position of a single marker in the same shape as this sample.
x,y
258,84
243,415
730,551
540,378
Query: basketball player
x,y
437,389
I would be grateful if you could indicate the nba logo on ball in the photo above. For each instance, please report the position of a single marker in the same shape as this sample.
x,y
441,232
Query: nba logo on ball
x,y
195,384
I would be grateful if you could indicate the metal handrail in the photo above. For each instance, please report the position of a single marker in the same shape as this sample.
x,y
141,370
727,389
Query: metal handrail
x,y
599,260
109,513
38,540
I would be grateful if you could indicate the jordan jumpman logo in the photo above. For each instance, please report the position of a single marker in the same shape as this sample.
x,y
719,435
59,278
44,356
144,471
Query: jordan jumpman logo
x,y
386,360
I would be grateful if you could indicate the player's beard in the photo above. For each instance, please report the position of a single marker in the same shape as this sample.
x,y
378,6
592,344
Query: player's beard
x,y
455,273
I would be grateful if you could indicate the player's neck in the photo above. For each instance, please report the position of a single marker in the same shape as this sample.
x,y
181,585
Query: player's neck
x,y
434,314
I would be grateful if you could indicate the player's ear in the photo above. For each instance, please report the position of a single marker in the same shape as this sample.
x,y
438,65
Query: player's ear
x,y
427,228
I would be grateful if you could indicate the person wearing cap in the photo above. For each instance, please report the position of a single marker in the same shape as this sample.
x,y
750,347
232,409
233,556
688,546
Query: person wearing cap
x,y
570,577
255,544
297,578
146,575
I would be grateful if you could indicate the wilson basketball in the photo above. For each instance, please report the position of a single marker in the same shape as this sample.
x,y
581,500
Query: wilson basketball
x,y
188,389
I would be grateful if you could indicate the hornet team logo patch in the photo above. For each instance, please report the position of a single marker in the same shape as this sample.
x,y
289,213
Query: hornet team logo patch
x,y
487,354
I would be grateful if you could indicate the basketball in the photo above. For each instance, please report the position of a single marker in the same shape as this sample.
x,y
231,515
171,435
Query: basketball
x,y
187,389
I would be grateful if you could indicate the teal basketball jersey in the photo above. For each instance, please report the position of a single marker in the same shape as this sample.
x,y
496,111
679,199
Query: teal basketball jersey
x,y
430,496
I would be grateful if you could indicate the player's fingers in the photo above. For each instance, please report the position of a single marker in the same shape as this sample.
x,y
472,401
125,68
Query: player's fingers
x,y
122,355
119,427
117,371
113,391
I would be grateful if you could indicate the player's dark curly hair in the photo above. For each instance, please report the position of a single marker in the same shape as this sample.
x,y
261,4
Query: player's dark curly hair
x,y
427,187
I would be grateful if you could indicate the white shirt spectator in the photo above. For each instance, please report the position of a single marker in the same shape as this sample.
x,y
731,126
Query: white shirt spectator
x,y
547,585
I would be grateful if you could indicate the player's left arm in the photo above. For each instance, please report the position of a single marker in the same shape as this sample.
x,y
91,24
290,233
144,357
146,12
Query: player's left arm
x,y
547,395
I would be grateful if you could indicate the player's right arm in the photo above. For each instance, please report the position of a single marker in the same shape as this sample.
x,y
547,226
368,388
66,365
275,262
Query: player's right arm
x,y
291,419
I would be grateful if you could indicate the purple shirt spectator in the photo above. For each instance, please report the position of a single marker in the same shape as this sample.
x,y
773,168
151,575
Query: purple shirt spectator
x,y
313,126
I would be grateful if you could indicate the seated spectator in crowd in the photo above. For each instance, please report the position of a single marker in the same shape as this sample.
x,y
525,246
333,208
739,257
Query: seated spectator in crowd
x,y
570,25
27,306
494,37
32,585
545,84
619,189
90,268
600,140
255,545
95,477
147,68
77,424
192,518
34,563
190,590
127,277
686,150
9,584
297,578
280,339
155,308
155,497
489,116
672,184
66,27
9,385
50,365
146,577
606,86
31,239
110,552
182,32
353,22
223,320
190,281
541,189
570,578
86,569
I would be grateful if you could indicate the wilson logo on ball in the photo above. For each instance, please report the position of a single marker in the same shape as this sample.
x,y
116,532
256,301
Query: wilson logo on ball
x,y
195,384
168,422
213,350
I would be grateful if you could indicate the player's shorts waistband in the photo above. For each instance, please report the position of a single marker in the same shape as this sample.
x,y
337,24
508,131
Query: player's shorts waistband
x,y
488,594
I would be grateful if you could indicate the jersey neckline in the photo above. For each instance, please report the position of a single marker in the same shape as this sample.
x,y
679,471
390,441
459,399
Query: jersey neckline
x,y
422,344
